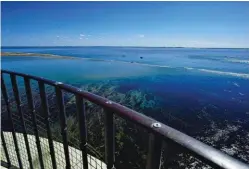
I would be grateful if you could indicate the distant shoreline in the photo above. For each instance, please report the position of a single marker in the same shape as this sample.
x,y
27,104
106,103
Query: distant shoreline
x,y
16,54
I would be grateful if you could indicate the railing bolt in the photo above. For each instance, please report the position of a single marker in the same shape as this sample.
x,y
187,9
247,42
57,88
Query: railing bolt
x,y
58,83
109,102
156,125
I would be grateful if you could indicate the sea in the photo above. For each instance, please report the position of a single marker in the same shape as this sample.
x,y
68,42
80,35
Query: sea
x,y
203,92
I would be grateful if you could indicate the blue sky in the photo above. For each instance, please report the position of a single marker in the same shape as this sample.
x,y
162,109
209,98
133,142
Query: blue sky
x,y
186,24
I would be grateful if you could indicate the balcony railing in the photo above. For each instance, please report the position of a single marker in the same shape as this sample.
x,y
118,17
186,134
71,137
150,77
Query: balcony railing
x,y
159,133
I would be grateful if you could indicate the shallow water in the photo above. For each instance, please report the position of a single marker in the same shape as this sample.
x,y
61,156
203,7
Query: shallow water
x,y
188,74
199,86
231,60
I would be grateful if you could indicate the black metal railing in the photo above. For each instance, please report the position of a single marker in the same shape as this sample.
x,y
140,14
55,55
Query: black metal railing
x,y
159,133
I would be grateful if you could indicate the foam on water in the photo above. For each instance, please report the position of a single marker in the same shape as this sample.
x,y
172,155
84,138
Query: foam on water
x,y
236,84
238,61
240,75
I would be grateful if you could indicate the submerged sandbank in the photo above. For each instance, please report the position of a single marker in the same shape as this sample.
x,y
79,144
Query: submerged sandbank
x,y
16,54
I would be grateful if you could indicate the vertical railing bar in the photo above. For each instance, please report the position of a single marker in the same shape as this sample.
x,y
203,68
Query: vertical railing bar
x,y
33,116
5,96
19,108
154,152
47,116
109,140
5,149
63,122
82,127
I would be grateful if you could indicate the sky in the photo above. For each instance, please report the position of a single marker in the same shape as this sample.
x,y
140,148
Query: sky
x,y
163,24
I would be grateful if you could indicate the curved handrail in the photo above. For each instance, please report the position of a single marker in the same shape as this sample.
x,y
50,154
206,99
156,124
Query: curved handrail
x,y
203,151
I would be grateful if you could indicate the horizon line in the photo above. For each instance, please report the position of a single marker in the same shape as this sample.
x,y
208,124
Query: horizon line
x,y
137,47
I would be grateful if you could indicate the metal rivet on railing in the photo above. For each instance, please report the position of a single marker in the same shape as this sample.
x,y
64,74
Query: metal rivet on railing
x,y
156,125
109,102
58,83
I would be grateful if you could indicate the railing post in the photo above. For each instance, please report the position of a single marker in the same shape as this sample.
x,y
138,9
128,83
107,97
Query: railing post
x,y
5,149
32,112
19,108
154,152
6,99
109,140
82,127
63,122
45,110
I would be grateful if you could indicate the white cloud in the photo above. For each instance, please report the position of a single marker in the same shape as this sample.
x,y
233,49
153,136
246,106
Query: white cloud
x,y
84,36
62,37
141,36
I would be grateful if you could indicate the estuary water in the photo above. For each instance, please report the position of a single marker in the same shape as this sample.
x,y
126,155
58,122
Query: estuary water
x,y
203,92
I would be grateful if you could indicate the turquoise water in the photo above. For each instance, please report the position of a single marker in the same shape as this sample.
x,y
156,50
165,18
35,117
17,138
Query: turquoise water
x,y
208,89
231,60
217,76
